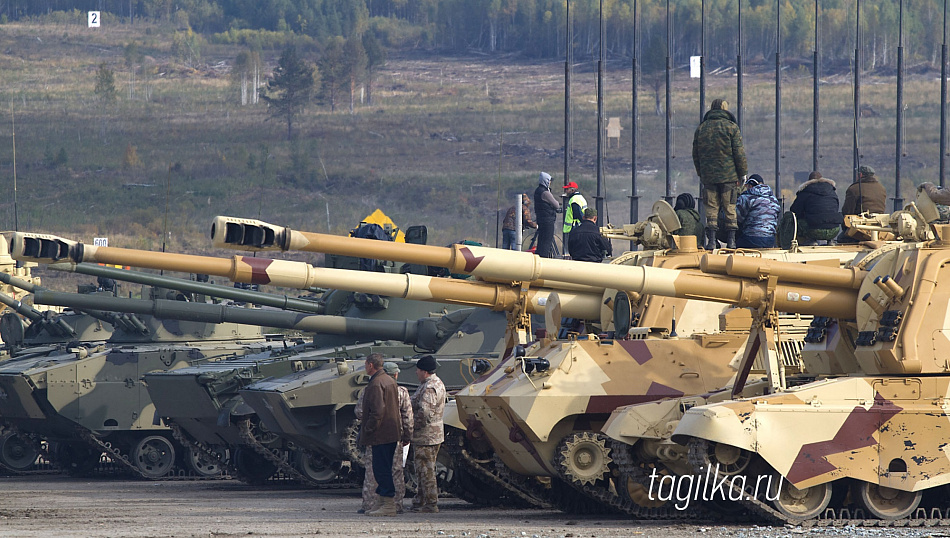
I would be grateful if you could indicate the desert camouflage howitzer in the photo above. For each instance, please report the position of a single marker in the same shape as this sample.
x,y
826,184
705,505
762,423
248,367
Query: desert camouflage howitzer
x,y
719,348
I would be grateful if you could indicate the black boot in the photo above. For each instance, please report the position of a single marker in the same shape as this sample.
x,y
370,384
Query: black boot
x,y
730,239
711,242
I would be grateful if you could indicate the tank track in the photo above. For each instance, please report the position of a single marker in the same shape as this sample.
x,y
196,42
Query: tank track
x,y
454,446
625,467
228,470
831,517
628,468
351,445
120,459
503,480
281,461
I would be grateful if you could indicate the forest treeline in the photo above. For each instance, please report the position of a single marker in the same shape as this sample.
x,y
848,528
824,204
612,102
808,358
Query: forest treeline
x,y
537,28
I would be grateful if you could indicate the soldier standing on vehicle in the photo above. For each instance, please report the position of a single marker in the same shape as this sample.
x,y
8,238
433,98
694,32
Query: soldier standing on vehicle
x,y
381,429
428,403
720,162
370,498
573,210
546,208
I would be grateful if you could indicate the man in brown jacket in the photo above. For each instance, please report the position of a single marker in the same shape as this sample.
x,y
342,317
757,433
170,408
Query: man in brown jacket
x,y
381,429
866,195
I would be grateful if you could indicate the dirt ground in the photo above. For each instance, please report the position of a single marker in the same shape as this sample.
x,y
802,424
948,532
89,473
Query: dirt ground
x,y
64,507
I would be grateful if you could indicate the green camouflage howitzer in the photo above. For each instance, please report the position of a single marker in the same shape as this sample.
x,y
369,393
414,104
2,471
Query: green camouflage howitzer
x,y
173,393
491,295
315,409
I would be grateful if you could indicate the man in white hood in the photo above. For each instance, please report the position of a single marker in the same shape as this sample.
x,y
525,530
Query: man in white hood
x,y
546,207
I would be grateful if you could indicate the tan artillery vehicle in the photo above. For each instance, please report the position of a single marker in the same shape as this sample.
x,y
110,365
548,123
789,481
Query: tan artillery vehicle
x,y
675,346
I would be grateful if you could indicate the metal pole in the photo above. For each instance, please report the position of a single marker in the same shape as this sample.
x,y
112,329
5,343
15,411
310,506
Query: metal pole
x,y
856,157
815,108
898,199
519,222
635,111
568,116
739,70
669,101
778,101
600,118
702,63
943,100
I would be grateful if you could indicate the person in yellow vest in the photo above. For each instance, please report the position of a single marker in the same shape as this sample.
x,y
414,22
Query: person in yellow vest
x,y
574,209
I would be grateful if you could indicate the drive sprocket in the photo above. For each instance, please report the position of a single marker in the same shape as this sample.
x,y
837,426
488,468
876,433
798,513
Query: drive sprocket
x,y
584,457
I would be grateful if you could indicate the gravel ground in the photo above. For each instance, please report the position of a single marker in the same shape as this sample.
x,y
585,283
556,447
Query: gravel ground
x,y
64,507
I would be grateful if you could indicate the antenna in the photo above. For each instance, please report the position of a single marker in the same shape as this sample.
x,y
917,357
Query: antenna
x,y
165,224
16,221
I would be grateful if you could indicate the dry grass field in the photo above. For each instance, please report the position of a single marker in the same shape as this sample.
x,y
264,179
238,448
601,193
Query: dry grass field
x,y
446,141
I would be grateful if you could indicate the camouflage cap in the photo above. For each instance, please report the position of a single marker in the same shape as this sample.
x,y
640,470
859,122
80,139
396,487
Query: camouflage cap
x,y
391,368
865,170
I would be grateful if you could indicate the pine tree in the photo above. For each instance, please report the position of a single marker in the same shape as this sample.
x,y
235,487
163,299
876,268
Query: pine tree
x,y
290,89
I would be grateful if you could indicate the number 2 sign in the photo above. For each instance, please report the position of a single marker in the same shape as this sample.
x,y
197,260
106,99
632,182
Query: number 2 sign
x,y
94,19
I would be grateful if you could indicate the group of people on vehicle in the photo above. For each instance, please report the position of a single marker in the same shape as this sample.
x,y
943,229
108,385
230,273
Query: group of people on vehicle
x,y
745,206
741,210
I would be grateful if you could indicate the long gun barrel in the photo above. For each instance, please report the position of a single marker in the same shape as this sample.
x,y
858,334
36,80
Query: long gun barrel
x,y
500,297
797,290
214,290
424,332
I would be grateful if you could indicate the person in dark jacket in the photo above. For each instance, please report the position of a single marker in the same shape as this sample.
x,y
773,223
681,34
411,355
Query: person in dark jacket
x,y
509,226
757,211
381,429
816,207
586,244
720,162
866,195
546,208
690,224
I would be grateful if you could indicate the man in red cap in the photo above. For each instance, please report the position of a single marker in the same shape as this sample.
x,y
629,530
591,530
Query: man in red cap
x,y
574,209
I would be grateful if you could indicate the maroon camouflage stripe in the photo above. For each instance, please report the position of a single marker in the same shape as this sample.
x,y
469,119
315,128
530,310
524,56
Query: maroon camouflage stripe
x,y
637,349
607,403
471,262
857,432
258,269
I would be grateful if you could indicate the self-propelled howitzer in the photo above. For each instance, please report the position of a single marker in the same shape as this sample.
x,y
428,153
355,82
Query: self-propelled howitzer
x,y
87,397
583,302
878,430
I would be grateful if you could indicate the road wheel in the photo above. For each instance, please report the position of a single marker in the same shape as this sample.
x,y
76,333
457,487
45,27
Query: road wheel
x,y
886,503
154,456
204,465
17,452
807,503
316,467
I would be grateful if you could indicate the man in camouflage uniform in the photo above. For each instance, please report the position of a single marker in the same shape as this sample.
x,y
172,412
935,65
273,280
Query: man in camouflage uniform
x,y
720,162
370,498
428,403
